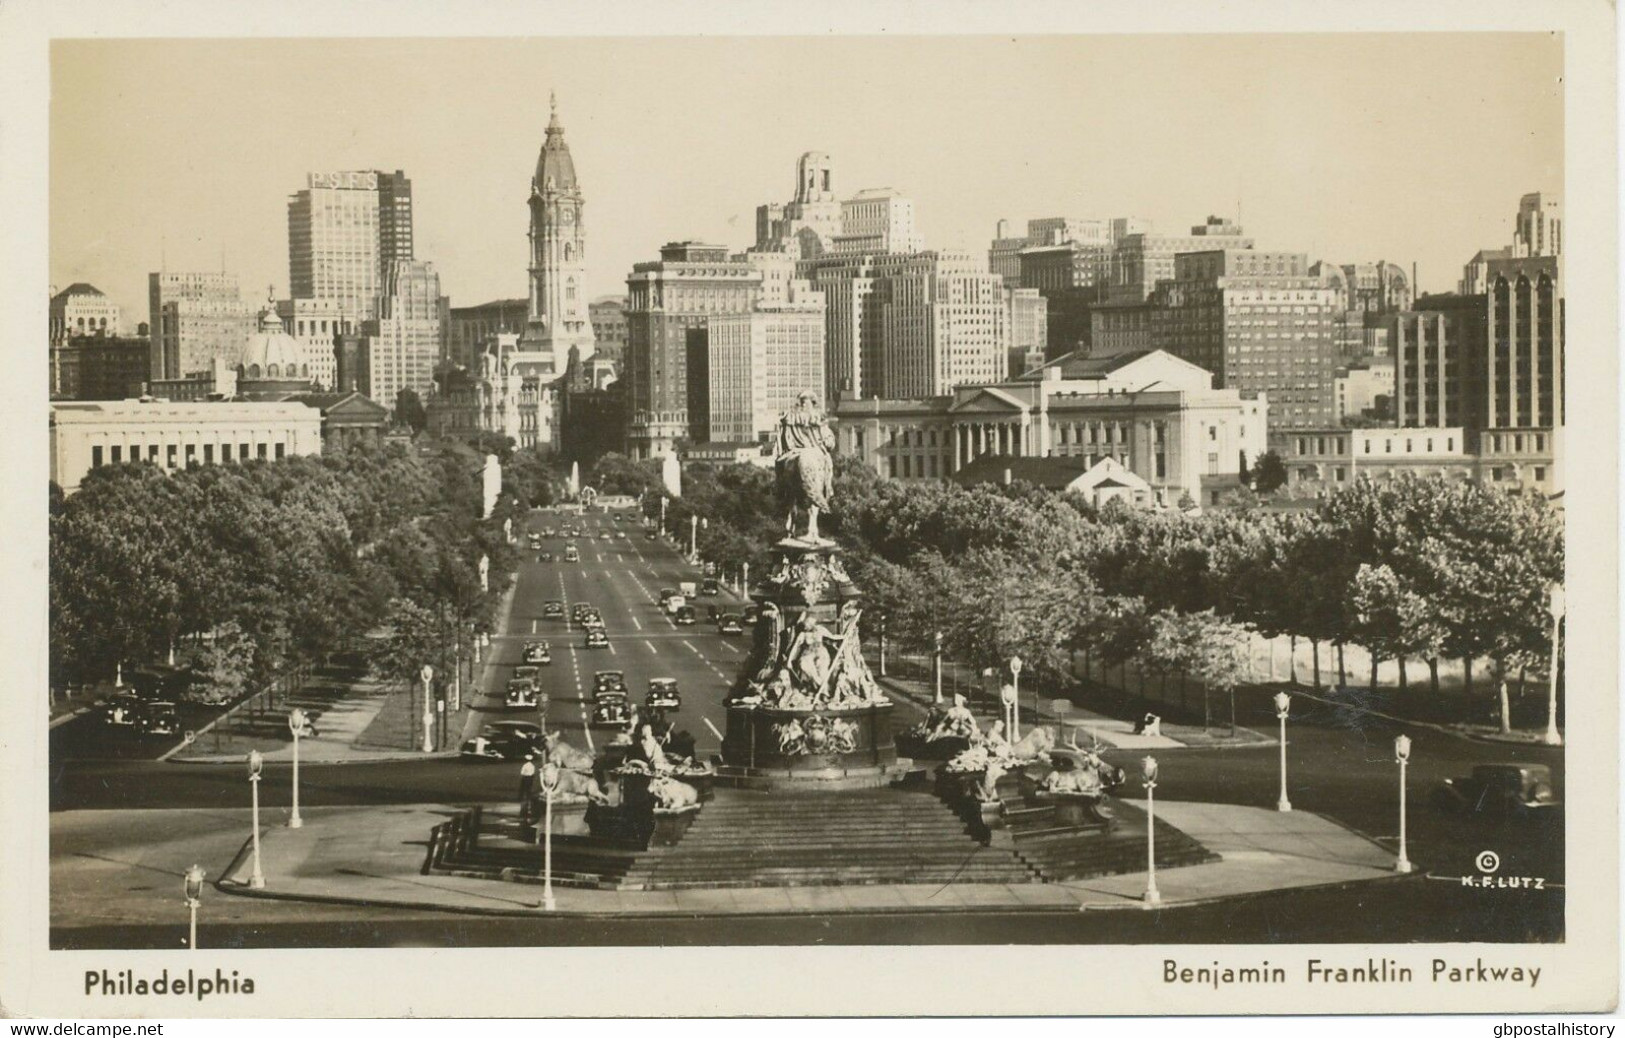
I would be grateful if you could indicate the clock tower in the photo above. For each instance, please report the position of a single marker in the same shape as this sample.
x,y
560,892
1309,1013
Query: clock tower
x,y
558,317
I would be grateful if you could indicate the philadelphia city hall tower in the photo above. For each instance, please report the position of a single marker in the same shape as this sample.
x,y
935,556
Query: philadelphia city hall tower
x,y
558,318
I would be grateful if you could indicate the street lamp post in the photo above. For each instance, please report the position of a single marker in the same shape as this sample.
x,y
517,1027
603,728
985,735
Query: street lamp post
x,y
550,785
1402,753
427,674
256,764
1015,703
1556,604
296,724
936,663
663,500
1283,703
194,897
882,644
1007,699
1148,774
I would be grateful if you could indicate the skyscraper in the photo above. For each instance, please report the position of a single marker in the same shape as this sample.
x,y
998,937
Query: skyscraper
x,y
404,342
195,318
558,318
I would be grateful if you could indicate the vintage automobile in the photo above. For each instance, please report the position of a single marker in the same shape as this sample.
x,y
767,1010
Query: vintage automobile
x,y
663,695
597,639
1501,791
535,540
674,603
684,616
159,718
751,613
620,535
666,595
521,692
506,740
610,708
553,611
545,556
610,679
592,621
571,554
728,623
708,587
123,711
538,652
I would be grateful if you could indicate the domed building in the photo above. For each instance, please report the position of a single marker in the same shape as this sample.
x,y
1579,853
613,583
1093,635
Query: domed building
x,y
273,364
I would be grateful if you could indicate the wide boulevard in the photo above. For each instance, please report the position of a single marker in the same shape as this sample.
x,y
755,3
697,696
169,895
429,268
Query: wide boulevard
x,y
1340,767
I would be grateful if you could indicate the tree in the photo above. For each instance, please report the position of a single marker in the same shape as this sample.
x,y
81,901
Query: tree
x,y
1207,647
224,663
409,410
1269,473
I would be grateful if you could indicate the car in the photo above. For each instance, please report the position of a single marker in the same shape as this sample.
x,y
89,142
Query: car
x,y
597,639
571,554
751,614
674,603
620,535
665,594
505,740
537,652
553,611
158,718
123,711
544,556
521,693
649,536
684,616
529,672
609,679
663,695
728,623
577,609
708,587
1506,790
535,540
606,536
610,709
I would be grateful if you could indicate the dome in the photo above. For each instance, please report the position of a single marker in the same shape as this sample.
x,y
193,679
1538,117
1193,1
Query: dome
x,y
555,170
271,352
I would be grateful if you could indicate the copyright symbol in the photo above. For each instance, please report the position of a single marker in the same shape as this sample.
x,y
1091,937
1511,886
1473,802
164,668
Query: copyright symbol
x,y
1488,861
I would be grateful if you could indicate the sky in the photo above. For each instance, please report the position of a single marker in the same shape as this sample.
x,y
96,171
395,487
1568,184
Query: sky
x,y
181,154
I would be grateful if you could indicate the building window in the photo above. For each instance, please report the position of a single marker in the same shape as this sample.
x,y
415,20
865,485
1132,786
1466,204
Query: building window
x,y
152,452
208,454
281,451
96,457
191,453
225,452
261,452
118,454
242,452
1341,475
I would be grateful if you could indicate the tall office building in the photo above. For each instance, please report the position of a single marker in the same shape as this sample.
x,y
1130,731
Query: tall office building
x,y
943,324
1140,260
404,343
194,319
394,218
669,303
807,224
1539,227
761,361
333,242
558,318
1260,323
877,220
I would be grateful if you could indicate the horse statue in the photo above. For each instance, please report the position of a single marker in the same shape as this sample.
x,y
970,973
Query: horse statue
x,y
804,464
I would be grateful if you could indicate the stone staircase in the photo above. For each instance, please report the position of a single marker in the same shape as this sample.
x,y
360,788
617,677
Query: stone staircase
x,y
481,847
850,837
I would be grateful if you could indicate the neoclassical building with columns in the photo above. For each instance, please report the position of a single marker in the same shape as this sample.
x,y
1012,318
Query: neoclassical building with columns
x,y
1154,414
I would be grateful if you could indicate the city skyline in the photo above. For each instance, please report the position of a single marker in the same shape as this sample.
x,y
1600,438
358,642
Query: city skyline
x,y
1380,125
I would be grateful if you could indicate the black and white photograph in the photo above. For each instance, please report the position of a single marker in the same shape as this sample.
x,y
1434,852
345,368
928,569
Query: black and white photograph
x,y
518,490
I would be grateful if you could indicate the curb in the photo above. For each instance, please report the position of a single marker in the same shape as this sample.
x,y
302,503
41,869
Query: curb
x,y
306,761
1253,895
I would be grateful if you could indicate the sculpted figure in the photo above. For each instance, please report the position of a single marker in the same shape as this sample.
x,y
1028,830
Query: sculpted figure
x,y
672,795
809,656
564,755
804,464
957,720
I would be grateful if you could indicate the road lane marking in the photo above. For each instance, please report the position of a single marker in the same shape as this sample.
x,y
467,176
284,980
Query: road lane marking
x,y
636,624
651,647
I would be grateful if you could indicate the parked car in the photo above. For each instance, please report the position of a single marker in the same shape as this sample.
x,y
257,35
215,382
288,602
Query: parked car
x,y
597,639
537,652
123,711
728,623
1501,791
663,695
521,693
553,611
159,718
684,616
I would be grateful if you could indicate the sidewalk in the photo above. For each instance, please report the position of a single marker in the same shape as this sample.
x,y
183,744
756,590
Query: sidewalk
x,y
344,701
374,856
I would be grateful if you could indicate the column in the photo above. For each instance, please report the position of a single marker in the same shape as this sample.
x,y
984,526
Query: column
x,y
1439,357
953,431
